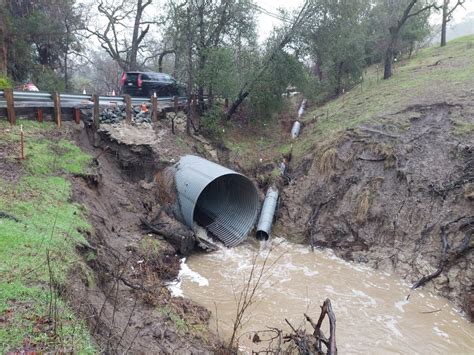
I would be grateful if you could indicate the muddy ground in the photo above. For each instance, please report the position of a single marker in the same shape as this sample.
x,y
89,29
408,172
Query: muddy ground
x,y
399,198
126,303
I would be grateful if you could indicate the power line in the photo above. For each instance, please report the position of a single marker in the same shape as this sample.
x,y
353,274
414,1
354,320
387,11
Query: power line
x,y
271,14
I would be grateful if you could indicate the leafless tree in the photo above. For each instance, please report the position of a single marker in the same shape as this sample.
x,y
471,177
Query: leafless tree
x,y
447,16
126,27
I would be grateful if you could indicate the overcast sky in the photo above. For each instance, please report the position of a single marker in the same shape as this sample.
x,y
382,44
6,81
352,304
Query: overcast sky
x,y
266,23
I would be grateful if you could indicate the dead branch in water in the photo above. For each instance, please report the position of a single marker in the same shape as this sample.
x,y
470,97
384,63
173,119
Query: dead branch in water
x,y
313,343
271,341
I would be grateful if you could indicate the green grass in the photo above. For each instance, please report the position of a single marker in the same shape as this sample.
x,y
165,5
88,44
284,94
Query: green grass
x,y
415,81
49,225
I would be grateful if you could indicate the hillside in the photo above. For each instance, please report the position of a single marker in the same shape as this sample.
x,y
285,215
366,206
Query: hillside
x,y
384,174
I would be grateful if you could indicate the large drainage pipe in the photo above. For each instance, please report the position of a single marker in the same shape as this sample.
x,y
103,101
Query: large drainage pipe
x,y
265,222
222,201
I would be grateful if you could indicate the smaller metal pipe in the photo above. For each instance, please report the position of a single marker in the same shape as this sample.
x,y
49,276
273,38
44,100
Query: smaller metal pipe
x,y
295,130
265,222
302,108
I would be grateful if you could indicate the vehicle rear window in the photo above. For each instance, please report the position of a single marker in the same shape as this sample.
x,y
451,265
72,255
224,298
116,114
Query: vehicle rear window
x,y
132,76
162,77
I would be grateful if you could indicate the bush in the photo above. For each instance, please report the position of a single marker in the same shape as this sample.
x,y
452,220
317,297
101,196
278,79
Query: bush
x,y
5,82
47,79
211,123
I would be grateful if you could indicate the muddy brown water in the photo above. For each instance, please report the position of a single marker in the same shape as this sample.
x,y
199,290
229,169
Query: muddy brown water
x,y
372,311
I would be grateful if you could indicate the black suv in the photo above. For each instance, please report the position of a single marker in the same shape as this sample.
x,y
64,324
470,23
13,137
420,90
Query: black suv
x,y
148,83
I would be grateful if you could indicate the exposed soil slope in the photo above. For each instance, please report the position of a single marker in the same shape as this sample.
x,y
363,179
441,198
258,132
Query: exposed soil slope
x,y
128,306
385,175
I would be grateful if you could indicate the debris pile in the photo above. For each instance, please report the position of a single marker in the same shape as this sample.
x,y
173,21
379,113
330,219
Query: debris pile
x,y
116,114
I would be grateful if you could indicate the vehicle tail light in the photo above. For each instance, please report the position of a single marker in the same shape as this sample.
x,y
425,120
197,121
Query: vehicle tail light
x,y
139,80
122,79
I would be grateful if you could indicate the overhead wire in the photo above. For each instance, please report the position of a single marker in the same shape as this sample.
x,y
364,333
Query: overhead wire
x,y
269,13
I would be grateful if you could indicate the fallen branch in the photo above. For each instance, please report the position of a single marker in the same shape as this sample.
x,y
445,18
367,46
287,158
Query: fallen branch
x,y
445,257
372,159
313,219
9,216
435,64
182,240
373,130
312,343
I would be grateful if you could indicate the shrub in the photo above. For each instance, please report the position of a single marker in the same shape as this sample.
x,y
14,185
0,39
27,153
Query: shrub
x,y
5,82
211,123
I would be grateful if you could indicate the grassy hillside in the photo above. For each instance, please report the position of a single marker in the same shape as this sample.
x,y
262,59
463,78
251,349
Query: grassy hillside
x,y
39,229
434,75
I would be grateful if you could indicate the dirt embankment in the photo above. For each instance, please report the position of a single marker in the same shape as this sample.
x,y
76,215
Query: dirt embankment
x,y
397,198
126,303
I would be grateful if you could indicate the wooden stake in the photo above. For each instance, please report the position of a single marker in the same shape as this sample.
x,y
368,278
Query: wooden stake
x,y
39,114
57,109
128,108
8,93
154,109
22,143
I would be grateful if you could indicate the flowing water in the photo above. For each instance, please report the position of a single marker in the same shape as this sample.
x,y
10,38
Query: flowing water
x,y
372,310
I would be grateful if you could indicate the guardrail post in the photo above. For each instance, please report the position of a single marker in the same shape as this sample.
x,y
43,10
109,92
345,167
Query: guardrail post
x,y
8,93
57,109
154,108
96,113
39,114
77,115
128,108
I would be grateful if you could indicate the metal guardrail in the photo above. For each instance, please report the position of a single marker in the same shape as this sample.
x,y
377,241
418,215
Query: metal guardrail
x,y
46,100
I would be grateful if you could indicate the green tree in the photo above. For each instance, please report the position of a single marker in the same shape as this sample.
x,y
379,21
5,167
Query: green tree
x,y
336,35
394,15
40,37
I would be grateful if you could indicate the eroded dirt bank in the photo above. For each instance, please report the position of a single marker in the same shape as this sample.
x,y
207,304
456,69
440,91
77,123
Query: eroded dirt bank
x,y
397,198
126,304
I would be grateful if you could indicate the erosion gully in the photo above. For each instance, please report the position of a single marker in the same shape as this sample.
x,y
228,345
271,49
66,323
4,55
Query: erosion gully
x,y
376,312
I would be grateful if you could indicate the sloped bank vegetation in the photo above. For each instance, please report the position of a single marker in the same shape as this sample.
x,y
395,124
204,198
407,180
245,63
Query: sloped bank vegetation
x,y
78,274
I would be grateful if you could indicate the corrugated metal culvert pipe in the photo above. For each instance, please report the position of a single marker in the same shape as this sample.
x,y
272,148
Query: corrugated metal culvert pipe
x,y
221,200
265,222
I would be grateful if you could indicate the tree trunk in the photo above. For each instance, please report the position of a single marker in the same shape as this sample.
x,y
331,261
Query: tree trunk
x,y
339,78
189,65
444,22
3,47
236,103
136,37
387,71
390,54
132,64
160,58
202,57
